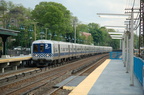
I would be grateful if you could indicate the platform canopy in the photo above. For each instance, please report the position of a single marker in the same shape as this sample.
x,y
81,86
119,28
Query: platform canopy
x,y
4,34
7,32
116,35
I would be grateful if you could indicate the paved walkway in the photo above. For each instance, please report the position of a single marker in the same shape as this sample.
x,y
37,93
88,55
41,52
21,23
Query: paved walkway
x,y
108,79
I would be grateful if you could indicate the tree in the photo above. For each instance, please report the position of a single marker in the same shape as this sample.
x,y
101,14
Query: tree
x,y
54,16
15,16
84,28
136,41
96,33
56,19
3,8
106,39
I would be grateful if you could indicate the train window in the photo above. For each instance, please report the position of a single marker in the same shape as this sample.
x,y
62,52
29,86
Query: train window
x,y
35,48
41,48
66,49
55,49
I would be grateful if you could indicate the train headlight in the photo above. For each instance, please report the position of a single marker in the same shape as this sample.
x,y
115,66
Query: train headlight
x,y
47,55
36,55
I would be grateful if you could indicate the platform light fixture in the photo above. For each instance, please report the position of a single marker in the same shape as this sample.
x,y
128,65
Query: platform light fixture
x,y
111,15
118,33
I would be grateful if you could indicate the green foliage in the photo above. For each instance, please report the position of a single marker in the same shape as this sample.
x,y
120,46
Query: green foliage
x,y
58,21
54,16
94,29
82,28
99,34
136,41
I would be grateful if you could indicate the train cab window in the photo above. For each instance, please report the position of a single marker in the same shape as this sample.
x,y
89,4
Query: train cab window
x,y
35,48
41,48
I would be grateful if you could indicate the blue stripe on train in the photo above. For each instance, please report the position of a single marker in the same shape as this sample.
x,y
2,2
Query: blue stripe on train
x,y
52,55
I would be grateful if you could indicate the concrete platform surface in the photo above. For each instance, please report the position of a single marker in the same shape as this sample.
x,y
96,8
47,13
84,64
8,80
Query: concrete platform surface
x,y
113,80
64,81
72,84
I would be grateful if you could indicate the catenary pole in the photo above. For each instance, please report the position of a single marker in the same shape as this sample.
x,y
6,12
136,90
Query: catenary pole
x,y
131,50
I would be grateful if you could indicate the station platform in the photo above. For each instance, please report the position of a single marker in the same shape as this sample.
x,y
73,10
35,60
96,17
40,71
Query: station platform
x,y
110,78
6,61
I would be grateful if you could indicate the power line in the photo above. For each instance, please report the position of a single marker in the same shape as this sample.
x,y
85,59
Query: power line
x,y
133,3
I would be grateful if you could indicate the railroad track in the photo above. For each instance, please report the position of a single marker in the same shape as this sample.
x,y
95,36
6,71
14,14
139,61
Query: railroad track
x,y
44,79
85,72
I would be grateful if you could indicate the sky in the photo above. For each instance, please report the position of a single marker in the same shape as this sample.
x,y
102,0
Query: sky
x,y
86,10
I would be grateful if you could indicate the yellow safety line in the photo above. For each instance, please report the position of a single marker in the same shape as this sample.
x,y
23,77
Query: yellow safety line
x,y
84,87
14,59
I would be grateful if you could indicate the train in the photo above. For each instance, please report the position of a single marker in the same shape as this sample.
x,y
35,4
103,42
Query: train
x,y
49,52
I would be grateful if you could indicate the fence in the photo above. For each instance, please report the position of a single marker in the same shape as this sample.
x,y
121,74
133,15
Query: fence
x,y
115,55
17,52
138,65
138,69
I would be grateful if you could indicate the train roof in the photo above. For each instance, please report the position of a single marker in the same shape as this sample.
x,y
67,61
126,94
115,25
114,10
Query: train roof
x,y
42,41
56,42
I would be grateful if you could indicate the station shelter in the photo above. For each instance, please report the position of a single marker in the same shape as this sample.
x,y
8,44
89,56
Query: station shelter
x,y
4,34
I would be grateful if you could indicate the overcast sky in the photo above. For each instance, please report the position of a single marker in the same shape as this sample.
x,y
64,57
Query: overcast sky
x,y
86,10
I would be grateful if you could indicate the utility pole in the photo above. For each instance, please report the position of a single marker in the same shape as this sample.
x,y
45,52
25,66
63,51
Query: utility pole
x,y
141,29
131,48
74,31
75,20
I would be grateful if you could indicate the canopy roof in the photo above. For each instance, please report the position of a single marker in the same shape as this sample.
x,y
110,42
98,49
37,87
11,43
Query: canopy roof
x,y
7,32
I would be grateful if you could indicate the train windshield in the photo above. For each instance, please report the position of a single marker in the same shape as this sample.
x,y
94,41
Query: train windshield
x,y
35,48
42,48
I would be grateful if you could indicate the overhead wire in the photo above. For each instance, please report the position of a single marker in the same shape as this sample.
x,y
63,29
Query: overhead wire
x,y
133,4
138,22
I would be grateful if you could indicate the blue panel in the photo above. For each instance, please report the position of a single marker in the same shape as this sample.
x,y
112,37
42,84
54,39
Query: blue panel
x,y
138,68
115,55
47,48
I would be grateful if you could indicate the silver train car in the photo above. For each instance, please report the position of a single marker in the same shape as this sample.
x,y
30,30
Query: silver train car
x,y
47,52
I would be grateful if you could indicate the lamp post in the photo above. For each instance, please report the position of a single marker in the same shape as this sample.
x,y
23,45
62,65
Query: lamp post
x,y
69,39
42,34
49,35
30,37
61,37
30,43
21,28
35,34
46,33
72,39
55,35
65,38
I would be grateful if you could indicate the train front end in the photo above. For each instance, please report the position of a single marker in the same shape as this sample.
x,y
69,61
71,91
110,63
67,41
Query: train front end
x,y
42,52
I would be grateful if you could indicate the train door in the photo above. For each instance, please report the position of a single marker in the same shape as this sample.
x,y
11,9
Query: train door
x,y
69,49
59,50
72,50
